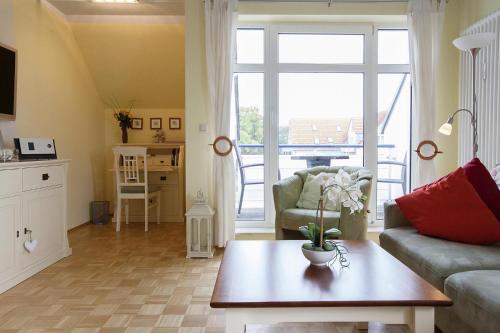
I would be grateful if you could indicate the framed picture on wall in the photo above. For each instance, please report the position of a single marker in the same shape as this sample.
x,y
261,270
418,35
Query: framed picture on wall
x,y
155,123
174,123
137,123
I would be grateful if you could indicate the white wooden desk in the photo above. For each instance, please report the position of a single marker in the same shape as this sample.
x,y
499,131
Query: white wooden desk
x,y
169,178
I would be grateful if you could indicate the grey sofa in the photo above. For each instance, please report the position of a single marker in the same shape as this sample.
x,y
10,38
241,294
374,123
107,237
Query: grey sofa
x,y
289,218
468,274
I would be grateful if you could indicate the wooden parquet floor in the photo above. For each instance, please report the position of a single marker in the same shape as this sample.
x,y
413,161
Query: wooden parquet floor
x,y
130,282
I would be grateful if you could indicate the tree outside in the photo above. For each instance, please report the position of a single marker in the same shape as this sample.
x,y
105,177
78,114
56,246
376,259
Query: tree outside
x,y
252,129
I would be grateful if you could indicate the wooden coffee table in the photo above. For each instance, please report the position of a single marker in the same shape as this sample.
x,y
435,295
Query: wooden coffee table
x,y
270,282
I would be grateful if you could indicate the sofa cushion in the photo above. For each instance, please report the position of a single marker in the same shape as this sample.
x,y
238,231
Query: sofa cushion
x,y
476,298
451,209
293,218
435,259
484,184
311,193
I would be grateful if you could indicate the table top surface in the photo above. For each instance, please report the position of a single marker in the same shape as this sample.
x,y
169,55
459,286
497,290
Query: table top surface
x,y
256,274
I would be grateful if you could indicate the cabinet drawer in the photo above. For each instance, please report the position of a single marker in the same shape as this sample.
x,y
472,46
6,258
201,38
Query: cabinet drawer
x,y
162,178
11,181
40,177
158,160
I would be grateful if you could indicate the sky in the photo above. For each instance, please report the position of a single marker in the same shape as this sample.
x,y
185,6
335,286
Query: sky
x,y
319,95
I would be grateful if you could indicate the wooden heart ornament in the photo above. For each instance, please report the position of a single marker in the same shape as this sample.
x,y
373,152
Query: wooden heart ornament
x,y
31,245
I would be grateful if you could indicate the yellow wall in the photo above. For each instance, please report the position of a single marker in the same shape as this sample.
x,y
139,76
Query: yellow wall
x,y
56,98
473,10
143,62
113,135
198,152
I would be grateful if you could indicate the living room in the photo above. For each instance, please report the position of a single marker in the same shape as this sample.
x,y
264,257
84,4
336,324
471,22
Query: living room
x,y
258,166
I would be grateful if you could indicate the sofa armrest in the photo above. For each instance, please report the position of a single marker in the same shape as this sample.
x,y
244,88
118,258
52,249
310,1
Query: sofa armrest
x,y
393,217
286,193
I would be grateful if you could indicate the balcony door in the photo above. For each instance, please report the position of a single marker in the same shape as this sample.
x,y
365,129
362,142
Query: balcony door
x,y
311,95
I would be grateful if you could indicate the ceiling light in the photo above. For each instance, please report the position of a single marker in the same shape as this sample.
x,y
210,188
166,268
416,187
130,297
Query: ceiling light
x,y
116,1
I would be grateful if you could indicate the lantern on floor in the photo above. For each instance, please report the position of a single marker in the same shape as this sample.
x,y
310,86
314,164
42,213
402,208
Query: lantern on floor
x,y
199,229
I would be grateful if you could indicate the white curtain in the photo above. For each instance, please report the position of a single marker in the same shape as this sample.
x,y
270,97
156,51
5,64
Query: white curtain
x,y
425,24
220,20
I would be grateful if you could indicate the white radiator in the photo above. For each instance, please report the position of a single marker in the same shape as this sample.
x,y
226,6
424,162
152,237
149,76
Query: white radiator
x,y
488,96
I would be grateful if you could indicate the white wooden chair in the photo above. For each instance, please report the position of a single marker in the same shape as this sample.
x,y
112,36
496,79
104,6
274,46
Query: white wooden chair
x,y
131,183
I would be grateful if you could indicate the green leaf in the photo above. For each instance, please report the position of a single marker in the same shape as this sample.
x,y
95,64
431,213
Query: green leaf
x,y
312,231
327,246
305,232
331,233
308,246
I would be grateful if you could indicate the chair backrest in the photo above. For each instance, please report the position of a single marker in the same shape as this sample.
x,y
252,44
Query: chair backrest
x,y
239,159
359,172
128,173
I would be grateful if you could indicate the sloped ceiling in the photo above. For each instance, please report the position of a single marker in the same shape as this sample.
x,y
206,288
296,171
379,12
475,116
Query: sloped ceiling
x,y
138,62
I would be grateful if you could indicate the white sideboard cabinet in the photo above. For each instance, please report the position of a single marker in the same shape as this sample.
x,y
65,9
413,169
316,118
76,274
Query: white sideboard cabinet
x,y
32,201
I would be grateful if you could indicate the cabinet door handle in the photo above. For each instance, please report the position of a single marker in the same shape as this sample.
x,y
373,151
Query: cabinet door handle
x,y
45,176
163,178
17,233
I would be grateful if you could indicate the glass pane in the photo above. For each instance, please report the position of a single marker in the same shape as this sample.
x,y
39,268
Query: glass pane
x,y
248,111
394,110
250,46
320,120
321,49
393,47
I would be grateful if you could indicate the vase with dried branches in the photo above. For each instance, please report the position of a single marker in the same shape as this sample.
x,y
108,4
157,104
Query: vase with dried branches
x,y
123,116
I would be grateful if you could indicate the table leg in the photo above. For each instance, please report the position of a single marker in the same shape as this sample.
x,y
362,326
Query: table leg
x,y
235,322
423,320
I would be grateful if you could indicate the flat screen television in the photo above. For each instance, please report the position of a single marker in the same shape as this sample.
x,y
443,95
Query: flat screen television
x,y
8,62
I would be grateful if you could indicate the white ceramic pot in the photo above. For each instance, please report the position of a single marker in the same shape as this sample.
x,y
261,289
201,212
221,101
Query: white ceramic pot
x,y
318,258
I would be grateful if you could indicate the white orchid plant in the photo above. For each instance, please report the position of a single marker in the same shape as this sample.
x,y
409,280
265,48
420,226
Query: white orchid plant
x,y
341,188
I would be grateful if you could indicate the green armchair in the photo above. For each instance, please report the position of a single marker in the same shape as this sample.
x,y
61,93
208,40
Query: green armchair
x,y
289,218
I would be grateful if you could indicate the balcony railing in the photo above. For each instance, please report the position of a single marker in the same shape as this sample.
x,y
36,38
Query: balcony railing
x,y
314,146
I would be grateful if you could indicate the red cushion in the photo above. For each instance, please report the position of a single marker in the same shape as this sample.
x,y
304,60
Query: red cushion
x,y
485,186
451,209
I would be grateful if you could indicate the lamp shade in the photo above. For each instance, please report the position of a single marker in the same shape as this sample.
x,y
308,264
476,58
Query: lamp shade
x,y
446,129
475,41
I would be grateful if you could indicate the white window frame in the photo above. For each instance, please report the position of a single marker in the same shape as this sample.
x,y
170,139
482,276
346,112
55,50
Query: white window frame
x,y
271,69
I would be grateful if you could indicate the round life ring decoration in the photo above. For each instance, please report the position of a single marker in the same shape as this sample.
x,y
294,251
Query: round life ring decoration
x,y
222,145
424,152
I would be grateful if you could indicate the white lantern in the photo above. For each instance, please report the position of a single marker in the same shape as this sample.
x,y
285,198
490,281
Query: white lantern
x,y
199,229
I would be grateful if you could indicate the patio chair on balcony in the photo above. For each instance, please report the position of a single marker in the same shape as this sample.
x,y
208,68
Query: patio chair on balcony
x,y
402,179
243,179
